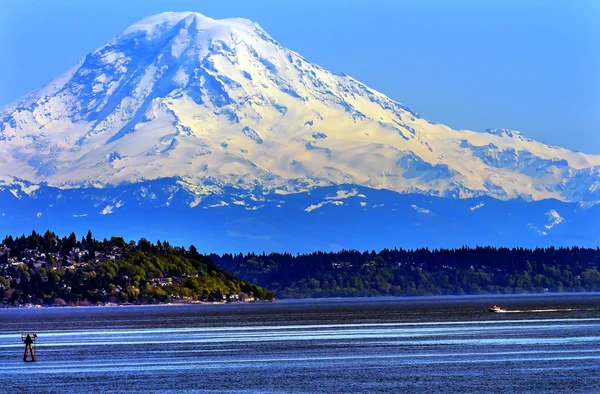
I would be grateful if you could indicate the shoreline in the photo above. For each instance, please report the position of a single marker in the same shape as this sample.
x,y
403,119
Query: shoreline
x,y
111,305
317,300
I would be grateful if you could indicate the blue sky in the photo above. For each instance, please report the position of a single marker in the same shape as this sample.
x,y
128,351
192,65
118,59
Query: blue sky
x,y
528,65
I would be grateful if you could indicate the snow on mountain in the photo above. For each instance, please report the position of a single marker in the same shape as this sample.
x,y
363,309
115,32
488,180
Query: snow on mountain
x,y
480,205
420,209
219,103
554,219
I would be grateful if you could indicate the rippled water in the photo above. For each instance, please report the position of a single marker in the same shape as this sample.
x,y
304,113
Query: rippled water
x,y
549,344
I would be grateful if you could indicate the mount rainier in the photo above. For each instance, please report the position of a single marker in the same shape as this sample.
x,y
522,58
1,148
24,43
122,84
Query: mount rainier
x,y
199,117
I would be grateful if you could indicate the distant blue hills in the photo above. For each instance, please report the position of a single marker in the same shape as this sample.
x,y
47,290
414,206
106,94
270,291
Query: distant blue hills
x,y
328,218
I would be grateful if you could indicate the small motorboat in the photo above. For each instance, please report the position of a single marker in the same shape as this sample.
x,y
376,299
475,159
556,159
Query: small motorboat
x,y
495,308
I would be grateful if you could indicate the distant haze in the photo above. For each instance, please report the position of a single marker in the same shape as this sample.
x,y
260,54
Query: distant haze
x,y
531,66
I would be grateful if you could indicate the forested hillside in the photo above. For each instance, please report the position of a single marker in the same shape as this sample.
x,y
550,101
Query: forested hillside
x,y
49,270
420,272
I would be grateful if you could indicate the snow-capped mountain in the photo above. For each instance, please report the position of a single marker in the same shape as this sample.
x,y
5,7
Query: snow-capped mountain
x,y
220,104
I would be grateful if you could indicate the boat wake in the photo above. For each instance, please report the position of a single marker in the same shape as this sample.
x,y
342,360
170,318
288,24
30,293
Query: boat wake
x,y
542,310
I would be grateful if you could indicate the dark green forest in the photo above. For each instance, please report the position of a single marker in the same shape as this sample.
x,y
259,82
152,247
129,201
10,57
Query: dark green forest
x,y
398,272
49,270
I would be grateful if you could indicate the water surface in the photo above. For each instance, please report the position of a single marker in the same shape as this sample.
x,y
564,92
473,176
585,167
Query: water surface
x,y
449,344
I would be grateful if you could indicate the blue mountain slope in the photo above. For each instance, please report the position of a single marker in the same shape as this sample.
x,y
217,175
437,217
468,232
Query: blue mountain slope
x,y
328,218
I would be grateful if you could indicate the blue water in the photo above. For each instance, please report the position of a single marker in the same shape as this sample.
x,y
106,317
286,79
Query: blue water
x,y
541,344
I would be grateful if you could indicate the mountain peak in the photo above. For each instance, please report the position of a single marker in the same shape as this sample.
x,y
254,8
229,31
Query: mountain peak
x,y
154,26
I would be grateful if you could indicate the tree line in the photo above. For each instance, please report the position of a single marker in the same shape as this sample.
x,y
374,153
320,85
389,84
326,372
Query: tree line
x,y
399,272
51,270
